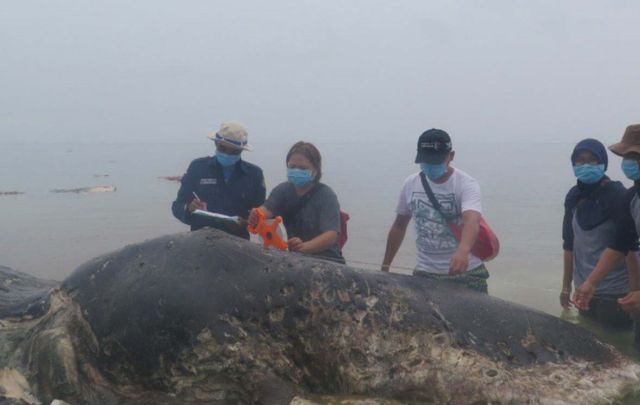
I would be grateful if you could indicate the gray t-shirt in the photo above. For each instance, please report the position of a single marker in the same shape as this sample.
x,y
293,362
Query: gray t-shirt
x,y
321,213
588,245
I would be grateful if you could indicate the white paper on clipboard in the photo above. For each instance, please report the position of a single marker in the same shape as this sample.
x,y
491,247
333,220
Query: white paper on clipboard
x,y
218,217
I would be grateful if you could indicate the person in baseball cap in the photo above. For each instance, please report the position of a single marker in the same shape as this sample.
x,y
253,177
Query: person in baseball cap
x,y
440,254
434,146
625,245
223,183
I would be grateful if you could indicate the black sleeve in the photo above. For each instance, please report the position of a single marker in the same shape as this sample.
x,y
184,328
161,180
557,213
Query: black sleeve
x,y
567,230
185,195
626,234
570,203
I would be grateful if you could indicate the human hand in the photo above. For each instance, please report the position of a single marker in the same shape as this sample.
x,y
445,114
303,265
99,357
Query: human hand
x,y
385,268
197,205
583,295
631,302
253,217
295,244
459,262
565,298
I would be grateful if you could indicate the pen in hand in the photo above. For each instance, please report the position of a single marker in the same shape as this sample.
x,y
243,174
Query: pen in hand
x,y
197,204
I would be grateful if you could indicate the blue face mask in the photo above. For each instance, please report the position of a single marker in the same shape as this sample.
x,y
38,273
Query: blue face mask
x,y
589,173
631,169
299,177
434,172
226,159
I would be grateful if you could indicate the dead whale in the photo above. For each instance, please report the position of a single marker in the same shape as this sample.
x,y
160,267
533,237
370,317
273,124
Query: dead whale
x,y
205,317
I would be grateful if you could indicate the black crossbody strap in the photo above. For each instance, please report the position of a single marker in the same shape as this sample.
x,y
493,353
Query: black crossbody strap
x,y
431,196
293,211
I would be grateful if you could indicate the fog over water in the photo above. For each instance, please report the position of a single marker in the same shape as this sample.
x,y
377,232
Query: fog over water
x,y
130,89
75,71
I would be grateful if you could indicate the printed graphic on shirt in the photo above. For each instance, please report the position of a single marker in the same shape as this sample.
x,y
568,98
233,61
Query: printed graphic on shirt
x,y
433,234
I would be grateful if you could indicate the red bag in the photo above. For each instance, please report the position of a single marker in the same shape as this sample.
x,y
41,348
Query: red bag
x,y
344,217
487,245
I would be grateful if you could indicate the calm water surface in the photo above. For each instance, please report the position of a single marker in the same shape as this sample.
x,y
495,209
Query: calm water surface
x,y
523,186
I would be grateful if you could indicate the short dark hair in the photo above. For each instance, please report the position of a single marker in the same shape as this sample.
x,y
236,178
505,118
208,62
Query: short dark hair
x,y
309,151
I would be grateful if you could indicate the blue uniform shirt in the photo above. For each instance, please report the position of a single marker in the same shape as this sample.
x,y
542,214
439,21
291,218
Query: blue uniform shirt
x,y
242,191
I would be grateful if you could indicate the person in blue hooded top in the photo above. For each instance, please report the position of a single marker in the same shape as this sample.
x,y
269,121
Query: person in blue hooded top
x,y
589,227
223,184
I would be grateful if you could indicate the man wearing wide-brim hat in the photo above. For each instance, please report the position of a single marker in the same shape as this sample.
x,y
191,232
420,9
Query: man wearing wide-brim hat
x,y
223,183
627,224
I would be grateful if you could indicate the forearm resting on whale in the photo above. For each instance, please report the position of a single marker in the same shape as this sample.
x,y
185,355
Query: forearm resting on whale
x,y
318,244
394,240
471,225
609,259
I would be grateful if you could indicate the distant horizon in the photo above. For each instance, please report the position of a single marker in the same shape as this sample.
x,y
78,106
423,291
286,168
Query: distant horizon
x,y
167,71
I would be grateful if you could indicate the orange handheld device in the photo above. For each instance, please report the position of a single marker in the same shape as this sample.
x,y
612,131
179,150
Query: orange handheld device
x,y
268,232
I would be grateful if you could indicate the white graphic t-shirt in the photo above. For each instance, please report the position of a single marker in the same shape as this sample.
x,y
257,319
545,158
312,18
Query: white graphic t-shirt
x,y
435,242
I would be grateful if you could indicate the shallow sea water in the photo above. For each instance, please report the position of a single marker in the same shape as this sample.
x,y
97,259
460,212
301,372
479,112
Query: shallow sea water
x,y
50,234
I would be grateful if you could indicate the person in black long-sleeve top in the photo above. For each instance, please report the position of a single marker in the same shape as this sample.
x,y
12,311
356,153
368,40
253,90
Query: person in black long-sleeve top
x,y
223,183
627,228
589,227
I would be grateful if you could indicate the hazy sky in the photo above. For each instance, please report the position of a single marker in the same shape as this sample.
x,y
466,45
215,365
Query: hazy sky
x,y
77,70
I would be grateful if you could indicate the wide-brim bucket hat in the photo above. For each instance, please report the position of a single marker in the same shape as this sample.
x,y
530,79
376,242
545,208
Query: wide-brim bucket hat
x,y
232,134
630,141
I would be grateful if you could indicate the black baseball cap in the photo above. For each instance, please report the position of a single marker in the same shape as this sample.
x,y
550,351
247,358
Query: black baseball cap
x,y
434,146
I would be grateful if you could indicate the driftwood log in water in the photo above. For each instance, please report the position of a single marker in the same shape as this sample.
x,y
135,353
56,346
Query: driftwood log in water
x,y
171,178
95,189
204,317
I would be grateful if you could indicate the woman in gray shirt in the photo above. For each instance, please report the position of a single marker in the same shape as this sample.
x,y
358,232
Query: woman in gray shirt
x,y
310,209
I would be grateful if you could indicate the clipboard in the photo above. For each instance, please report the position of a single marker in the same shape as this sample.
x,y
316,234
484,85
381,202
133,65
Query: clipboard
x,y
218,217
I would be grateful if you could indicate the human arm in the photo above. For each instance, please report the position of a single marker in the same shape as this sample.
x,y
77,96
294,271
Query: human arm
x,y
318,244
394,239
327,222
630,303
633,269
567,279
609,260
185,202
470,226
274,205
567,245
253,215
260,191
471,209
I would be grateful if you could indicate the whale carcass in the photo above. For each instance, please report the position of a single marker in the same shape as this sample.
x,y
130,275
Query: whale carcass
x,y
205,317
